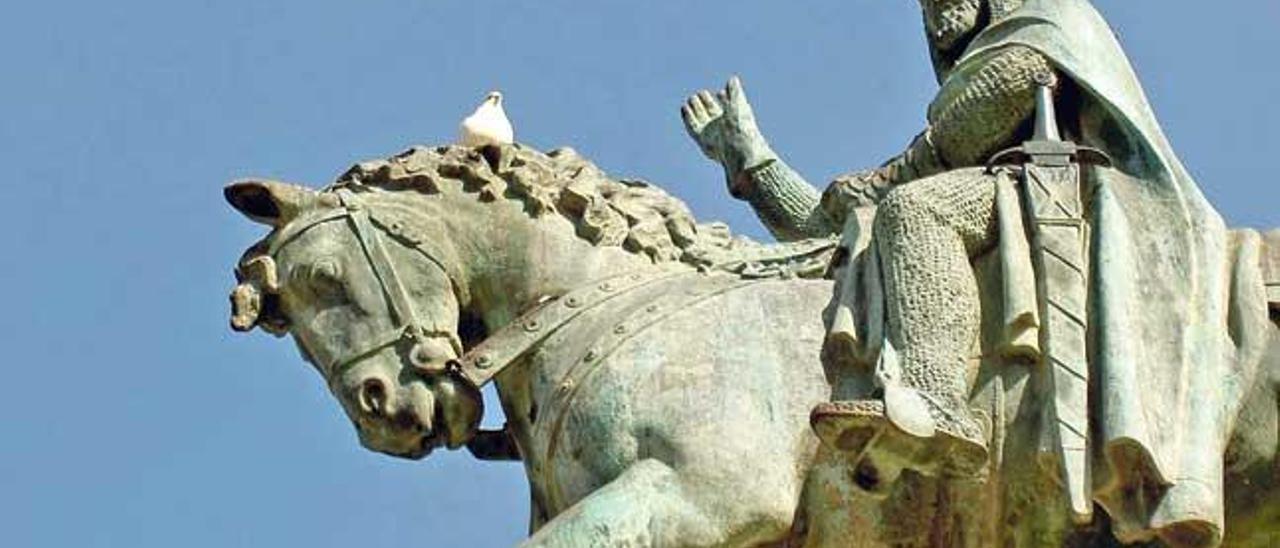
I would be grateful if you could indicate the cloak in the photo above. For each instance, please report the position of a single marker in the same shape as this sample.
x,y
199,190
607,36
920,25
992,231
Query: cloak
x,y
1178,314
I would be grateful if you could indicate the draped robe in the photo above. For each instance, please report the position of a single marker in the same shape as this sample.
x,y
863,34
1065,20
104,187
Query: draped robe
x,y
1177,306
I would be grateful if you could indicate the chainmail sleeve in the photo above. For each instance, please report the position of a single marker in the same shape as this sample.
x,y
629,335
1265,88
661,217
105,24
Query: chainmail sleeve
x,y
786,203
975,116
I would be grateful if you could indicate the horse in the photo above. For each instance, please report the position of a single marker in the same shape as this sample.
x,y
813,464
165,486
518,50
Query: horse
x,y
656,374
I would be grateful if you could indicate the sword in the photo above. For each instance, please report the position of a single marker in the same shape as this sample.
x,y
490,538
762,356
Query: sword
x,y
1053,194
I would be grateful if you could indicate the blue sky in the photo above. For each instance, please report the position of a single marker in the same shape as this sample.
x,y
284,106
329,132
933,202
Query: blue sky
x,y
134,417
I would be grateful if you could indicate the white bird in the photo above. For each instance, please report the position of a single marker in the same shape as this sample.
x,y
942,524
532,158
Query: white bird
x,y
488,125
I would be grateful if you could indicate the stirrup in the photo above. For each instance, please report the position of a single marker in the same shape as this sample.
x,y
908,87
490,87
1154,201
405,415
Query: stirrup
x,y
875,445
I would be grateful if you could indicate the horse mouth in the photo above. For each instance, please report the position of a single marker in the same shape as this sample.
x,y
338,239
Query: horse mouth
x,y
422,423
429,439
426,446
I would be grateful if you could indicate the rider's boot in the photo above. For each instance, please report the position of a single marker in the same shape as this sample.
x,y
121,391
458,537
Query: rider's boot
x,y
918,428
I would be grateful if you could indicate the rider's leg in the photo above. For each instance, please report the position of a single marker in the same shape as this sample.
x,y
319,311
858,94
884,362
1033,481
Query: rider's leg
x,y
927,231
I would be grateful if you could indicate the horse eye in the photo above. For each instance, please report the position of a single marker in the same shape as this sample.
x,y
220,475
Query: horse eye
x,y
324,275
326,270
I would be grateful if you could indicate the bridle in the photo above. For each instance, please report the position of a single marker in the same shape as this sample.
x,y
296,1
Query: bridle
x,y
412,331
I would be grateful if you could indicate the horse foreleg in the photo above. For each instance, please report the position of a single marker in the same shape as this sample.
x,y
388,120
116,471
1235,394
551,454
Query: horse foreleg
x,y
645,506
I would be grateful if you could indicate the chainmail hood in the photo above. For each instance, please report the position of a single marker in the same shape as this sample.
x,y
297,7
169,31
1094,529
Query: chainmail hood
x,y
951,24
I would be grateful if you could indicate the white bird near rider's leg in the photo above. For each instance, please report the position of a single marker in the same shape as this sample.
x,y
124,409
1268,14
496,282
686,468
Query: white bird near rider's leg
x,y
488,125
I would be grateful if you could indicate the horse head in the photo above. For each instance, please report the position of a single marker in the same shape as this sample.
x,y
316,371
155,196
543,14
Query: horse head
x,y
381,277
374,312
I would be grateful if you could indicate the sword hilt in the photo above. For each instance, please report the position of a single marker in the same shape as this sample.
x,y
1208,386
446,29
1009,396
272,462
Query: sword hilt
x,y
1049,153
1046,147
1046,114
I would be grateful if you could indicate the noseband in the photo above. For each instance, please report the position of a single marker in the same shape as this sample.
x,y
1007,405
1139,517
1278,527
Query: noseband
x,y
411,332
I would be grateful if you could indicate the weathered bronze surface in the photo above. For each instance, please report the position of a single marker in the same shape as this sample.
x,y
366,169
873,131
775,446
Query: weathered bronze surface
x,y
1048,352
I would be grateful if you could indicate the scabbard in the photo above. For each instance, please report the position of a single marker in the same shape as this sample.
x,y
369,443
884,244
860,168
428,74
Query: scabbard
x,y
1055,207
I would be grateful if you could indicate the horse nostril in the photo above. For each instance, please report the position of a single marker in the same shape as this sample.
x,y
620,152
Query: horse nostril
x,y
420,356
373,397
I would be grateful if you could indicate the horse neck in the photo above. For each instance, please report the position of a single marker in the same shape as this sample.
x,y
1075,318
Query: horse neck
x,y
511,260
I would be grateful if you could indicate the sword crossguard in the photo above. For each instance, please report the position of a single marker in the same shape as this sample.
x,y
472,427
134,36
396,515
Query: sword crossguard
x,y
1046,147
1050,154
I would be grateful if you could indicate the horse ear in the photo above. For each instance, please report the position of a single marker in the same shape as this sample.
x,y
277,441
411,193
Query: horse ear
x,y
268,202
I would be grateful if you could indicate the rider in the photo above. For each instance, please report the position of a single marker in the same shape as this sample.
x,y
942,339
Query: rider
x,y
926,231
934,213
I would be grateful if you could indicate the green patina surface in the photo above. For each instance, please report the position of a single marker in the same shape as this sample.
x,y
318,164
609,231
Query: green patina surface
x,y
665,383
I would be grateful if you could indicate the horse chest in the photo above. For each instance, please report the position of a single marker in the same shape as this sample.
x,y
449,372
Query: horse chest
x,y
587,380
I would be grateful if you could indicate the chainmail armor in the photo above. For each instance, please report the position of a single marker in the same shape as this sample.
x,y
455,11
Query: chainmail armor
x,y
973,118
999,9
864,188
977,116
926,232
936,210
948,22
786,204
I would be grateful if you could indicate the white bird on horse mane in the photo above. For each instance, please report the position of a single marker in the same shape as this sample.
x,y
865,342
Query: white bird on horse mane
x,y
488,125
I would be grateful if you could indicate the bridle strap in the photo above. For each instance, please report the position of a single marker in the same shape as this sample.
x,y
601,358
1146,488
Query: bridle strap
x,y
409,324
388,339
289,233
376,254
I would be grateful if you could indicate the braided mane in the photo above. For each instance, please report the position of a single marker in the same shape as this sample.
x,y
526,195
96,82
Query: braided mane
x,y
626,213
631,214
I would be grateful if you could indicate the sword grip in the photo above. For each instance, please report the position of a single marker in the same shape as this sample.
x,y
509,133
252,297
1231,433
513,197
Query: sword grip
x,y
1046,115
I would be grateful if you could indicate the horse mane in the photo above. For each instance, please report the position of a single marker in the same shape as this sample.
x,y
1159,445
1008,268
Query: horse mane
x,y
627,213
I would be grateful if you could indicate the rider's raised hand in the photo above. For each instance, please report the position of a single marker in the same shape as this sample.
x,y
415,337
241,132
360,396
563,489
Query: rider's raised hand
x,y
744,147
703,119
724,127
